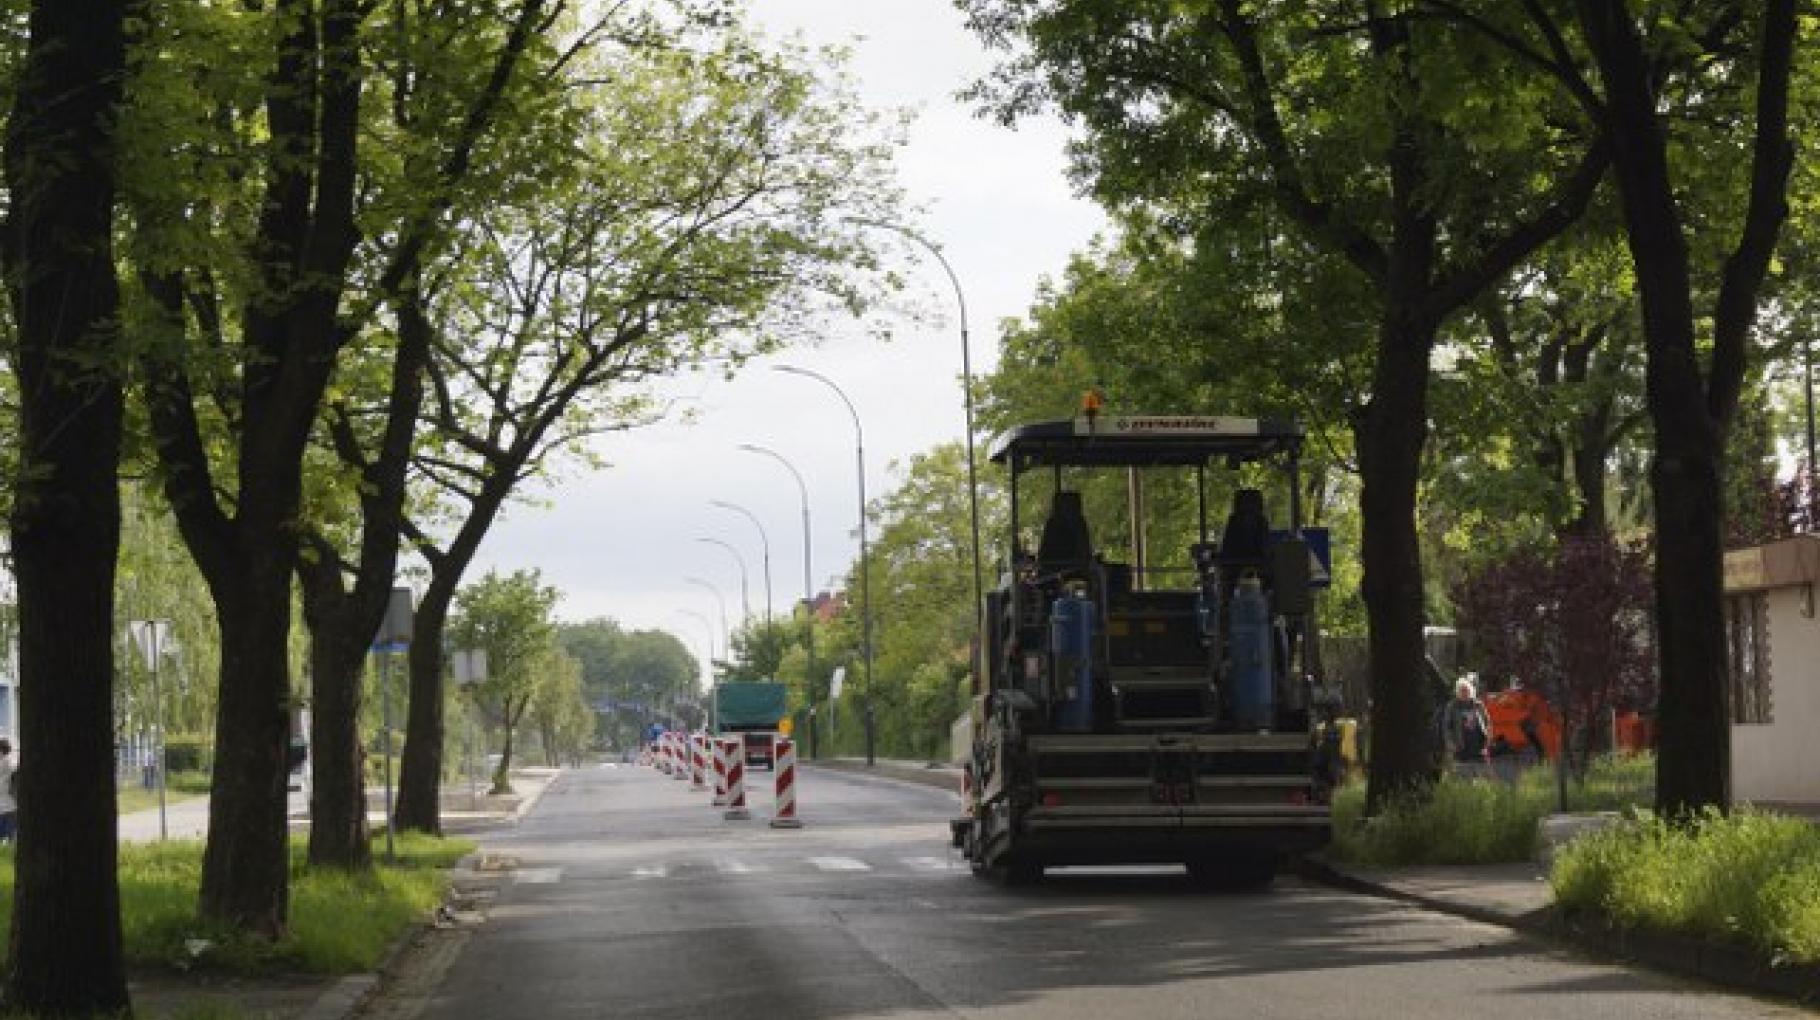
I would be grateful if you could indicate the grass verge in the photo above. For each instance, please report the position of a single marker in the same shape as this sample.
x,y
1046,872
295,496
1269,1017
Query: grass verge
x,y
1477,821
340,922
179,786
1750,877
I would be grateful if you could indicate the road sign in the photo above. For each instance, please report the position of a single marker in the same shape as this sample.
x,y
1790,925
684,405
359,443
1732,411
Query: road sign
x,y
1320,554
152,638
834,685
395,630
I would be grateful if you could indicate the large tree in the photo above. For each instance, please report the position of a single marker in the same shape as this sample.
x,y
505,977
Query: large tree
x,y
1731,68
509,619
447,143
1425,158
273,247
704,218
58,255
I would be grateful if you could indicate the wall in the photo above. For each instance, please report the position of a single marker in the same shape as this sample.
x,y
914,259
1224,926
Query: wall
x,y
1780,762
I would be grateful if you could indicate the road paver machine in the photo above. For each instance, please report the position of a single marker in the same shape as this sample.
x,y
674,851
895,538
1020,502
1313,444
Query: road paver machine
x,y
1132,715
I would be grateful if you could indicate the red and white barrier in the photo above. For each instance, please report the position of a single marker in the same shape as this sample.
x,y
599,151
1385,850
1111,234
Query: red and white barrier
x,y
698,764
679,757
720,770
736,781
784,764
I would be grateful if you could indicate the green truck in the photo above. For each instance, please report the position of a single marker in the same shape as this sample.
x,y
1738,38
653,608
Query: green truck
x,y
752,710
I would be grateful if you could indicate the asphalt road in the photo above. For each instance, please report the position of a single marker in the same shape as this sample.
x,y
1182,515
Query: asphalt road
x,y
632,898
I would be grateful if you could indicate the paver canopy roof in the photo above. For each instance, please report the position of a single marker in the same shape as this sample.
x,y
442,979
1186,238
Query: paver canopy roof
x,y
1146,440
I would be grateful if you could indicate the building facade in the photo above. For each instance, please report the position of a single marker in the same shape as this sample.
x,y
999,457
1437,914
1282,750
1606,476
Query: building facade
x,y
1773,640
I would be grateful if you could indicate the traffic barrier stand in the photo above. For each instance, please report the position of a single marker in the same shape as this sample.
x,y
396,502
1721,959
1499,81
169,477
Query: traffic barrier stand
x,y
682,759
698,752
720,771
736,782
784,762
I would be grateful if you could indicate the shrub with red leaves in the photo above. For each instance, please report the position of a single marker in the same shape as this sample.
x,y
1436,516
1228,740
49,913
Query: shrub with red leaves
x,y
1573,623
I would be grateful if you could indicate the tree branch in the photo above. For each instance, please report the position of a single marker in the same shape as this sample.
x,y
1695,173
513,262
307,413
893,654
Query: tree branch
x,y
1771,162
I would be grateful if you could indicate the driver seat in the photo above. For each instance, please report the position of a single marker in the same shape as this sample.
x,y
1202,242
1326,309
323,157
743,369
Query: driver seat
x,y
1065,535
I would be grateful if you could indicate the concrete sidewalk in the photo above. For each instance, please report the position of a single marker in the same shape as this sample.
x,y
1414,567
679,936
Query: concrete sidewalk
x,y
461,813
1512,895
1518,896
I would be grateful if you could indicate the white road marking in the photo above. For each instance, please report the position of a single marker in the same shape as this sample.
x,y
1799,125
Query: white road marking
x,y
736,868
930,863
839,864
537,876
650,871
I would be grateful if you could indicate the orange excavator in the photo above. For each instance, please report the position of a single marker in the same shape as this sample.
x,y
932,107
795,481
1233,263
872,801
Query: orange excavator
x,y
1522,718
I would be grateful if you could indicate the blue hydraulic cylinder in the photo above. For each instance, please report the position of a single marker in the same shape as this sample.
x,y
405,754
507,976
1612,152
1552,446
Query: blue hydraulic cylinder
x,y
1071,625
1252,688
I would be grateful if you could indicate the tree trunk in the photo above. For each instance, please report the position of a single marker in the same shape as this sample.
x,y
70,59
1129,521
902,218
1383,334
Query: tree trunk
x,y
1693,768
419,806
421,779
1390,436
342,623
66,956
338,798
246,867
502,776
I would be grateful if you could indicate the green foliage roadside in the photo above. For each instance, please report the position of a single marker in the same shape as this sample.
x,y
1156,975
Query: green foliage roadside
x,y
341,922
1478,821
179,786
1751,877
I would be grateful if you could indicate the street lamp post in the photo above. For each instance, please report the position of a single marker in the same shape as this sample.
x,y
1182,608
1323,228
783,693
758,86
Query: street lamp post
x,y
802,490
865,558
745,600
726,646
153,637
764,542
394,635
973,487
709,625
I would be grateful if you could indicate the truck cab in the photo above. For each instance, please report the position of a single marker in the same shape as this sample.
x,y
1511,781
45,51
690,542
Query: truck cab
x,y
1133,714
752,711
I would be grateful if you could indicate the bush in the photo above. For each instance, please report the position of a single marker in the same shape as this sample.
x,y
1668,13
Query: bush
x,y
1475,821
1458,822
1750,877
341,922
187,754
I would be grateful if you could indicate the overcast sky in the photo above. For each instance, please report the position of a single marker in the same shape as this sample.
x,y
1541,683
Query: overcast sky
x,y
620,541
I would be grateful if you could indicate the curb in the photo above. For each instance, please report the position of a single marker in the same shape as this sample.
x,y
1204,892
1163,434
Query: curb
x,y
344,999
1729,966
922,776
348,997
524,806
1536,922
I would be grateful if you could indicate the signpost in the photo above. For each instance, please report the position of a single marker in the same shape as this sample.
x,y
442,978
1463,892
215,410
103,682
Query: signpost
x,y
470,666
394,636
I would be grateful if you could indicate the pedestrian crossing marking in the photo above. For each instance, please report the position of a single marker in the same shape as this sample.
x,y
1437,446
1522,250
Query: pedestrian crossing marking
x,y
839,864
650,871
929,863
